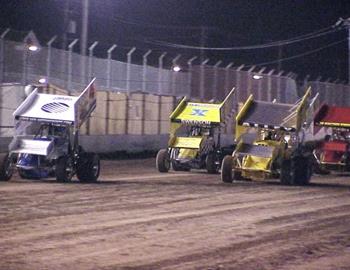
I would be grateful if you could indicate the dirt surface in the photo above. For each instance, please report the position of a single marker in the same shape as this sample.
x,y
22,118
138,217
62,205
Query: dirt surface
x,y
137,218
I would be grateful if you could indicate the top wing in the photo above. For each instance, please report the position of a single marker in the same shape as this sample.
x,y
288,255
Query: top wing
x,y
332,116
58,109
201,113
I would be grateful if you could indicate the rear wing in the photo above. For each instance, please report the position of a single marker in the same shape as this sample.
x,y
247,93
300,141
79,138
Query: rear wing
x,y
202,113
58,109
332,116
85,104
272,115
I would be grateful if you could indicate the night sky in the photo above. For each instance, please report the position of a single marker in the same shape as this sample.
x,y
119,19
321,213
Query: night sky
x,y
228,23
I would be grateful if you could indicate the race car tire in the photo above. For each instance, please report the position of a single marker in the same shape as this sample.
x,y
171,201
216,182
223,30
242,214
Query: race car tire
x,y
303,170
287,176
64,169
6,170
226,169
210,163
88,167
163,161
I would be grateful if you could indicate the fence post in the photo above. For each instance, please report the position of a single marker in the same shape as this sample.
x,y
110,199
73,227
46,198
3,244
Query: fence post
x,y
91,55
278,94
2,58
144,69
269,85
109,60
189,77
128,69
249,82
174,73
260,72
215,83
70,52
48,59
201,82
227,74
238,76
160,70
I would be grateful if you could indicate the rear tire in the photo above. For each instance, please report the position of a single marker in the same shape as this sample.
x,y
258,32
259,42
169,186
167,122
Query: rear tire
x,y
88,167
303,170
163,161
287,176
6,170
226,169
64,169
210,163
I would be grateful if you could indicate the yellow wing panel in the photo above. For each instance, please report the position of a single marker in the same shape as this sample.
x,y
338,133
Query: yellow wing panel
x,y
188,153
187,142
203,112
256,163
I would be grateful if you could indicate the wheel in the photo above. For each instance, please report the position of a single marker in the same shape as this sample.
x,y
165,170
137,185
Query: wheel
x,y
88,167
210,163
162,161
64,169
5,167
226,169
303,170
287,176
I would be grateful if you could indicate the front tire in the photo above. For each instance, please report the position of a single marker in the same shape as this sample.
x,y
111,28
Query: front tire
x,y
88,167
210,163
226,169
6,170
303,167
163,161
287,176
64,169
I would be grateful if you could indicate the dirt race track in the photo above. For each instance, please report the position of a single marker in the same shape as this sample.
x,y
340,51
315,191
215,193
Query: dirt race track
x,y
137,218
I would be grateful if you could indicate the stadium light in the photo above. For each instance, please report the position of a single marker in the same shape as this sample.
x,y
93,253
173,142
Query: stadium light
x,y
176,68
33,48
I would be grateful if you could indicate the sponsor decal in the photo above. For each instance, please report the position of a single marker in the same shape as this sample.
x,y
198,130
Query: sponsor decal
x,y
195,122
55,107
198,112
62,98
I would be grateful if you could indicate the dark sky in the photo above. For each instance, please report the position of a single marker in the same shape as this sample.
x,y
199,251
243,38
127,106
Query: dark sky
x,y
229,23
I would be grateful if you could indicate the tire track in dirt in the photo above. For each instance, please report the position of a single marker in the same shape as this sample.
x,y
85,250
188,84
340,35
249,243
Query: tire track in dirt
x,y
171,222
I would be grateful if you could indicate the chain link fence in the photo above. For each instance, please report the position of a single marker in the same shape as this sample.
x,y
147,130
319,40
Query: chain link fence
x,y
138,99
